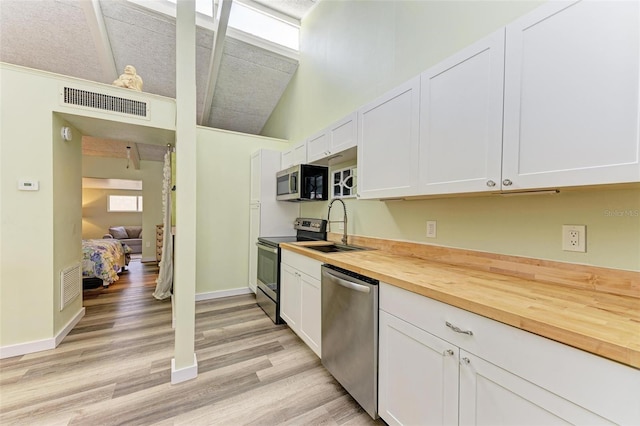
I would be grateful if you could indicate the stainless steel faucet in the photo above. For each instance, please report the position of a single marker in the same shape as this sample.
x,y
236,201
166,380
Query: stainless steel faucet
x,y
344,220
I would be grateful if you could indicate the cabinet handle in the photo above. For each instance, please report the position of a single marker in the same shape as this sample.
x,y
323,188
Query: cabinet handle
x,y
466,360
491,183
507,182
448,352
457,329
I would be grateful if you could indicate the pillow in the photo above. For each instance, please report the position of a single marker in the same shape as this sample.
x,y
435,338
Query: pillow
x,y
133,231
118,232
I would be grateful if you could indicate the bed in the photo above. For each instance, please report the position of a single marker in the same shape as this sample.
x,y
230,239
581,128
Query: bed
x,y
104,259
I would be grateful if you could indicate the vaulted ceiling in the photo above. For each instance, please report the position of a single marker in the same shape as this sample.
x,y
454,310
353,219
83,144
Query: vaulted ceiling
x,y
96,39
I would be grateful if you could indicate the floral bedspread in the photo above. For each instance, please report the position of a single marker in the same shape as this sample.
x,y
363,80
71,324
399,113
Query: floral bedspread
x,y
101,259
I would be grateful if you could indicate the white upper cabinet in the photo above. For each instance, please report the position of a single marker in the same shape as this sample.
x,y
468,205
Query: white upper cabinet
x,y
318,146
461,120
388,138
336,143
295,155
571,96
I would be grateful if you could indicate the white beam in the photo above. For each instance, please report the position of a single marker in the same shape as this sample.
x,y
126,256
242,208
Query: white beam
x,y
184,365
221,22
95,20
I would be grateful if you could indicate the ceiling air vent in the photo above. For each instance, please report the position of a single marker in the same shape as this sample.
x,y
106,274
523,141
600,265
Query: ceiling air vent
x,y
103,102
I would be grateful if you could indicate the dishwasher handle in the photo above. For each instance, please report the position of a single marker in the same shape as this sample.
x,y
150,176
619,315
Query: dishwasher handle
x,y
345,283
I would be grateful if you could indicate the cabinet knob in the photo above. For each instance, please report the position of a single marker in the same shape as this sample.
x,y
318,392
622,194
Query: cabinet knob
x,y
507,182
491,183
466,360
449,352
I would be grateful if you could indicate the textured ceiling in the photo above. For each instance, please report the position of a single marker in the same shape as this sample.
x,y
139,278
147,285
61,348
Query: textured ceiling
x,y
59,36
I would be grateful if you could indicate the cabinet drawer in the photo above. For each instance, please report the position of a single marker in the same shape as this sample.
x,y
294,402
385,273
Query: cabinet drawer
x,y
603,386
302,263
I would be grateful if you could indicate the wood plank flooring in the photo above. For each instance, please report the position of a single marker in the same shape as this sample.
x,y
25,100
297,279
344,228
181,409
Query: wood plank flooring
x,y
114,368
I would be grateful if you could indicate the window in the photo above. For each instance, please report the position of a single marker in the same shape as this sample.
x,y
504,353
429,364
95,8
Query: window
x,y
265,26
124,203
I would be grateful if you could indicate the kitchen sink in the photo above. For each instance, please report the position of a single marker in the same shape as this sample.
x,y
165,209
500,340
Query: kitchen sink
x,y
336,248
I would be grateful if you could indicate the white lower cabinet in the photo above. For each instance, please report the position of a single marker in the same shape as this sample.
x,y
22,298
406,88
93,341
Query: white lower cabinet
x,y
300,297
476,371
490,395
417,375
290,297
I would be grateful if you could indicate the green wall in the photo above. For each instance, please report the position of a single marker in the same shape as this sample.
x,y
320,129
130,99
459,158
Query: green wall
x,y
354,51
223,176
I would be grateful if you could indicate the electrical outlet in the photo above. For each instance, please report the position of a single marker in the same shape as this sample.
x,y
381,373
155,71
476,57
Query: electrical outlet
x,y
431,229
148,244
574,238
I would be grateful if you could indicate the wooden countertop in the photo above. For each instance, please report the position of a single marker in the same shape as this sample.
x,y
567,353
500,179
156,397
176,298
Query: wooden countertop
x,y
604,324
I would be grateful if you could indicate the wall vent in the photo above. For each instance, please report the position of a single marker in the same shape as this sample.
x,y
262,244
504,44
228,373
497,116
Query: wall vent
x,y
85,98
70,284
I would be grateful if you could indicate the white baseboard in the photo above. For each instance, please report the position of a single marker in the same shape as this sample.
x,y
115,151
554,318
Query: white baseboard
x,y
222,293
41,345
67,328
148,259
184,374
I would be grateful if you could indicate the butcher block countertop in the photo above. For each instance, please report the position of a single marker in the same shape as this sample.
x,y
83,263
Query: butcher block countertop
x,y
601,323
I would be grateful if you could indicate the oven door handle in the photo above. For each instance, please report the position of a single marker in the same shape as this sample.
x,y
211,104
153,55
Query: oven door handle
x,y
267,248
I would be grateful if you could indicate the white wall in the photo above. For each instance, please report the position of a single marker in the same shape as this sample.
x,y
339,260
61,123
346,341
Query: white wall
x,y
353,51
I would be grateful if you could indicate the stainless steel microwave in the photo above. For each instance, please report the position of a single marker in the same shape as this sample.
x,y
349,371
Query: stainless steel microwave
x,y
304,182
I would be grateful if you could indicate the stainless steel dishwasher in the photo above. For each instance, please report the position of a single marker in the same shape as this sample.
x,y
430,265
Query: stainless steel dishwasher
x,y
350,333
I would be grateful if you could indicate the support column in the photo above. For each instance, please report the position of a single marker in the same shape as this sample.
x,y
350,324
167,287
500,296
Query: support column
x,y
184,365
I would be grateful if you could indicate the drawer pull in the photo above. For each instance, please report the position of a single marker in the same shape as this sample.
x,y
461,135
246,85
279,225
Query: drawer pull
x,y
458,330
466,360
448,352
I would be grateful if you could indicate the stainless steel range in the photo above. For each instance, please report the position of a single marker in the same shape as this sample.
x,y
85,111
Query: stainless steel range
x,y
268,288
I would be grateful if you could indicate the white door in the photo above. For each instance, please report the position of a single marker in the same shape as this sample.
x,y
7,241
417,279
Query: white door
x,y
256,177
290,296
461,120
317,146
492,396
571,113
310,313
343,134
388,141
300,153
254,233
417,375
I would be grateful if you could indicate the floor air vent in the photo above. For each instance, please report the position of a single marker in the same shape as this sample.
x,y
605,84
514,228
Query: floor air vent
x,y
70,285
103,102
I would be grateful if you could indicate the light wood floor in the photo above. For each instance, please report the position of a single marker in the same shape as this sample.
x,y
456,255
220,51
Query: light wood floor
x,y
115,366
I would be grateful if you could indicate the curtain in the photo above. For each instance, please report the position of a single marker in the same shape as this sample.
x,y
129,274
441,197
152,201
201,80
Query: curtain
x,y
164,283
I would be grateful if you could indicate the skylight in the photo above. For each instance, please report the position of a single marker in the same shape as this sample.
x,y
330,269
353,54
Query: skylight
x,y
255,22
265,26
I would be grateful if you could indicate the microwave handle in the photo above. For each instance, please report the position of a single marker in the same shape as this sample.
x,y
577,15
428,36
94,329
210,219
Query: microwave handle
x,y
293,184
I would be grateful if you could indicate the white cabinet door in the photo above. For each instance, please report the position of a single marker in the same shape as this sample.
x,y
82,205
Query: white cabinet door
x,y
256,177
490,395
461,120
388,139
343,134
290,296
254,233
318,146
310,313
287,159
300,153
417,375
571,113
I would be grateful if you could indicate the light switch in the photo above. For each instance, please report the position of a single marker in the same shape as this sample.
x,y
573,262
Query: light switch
x,y
28,185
